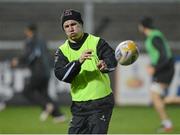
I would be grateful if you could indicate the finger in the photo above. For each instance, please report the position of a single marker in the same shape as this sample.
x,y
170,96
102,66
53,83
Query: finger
x,y
102,67
87,56
101,62
89,51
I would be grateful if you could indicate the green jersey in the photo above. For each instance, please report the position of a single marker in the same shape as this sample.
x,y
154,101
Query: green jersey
x,y
157,52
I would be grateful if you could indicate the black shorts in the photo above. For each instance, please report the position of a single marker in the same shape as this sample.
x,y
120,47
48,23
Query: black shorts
x,y
164,76
91,117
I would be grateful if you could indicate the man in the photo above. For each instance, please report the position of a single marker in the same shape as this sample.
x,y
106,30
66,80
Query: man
x,y
84,61
161,68
35,57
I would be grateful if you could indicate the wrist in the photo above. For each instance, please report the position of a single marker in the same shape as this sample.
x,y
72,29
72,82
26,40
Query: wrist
x,y
81,60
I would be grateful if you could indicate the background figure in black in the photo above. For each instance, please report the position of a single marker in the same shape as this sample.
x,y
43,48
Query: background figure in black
x,y
36,58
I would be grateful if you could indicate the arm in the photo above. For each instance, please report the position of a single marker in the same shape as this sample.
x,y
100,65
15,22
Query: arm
x,y
65,70
106,54
23,59
163,58
32,51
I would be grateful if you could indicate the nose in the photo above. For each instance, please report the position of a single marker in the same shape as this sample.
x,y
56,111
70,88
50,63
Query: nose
x,y
71,28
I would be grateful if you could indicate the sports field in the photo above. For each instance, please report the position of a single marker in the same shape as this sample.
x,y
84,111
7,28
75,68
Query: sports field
x,y
125,120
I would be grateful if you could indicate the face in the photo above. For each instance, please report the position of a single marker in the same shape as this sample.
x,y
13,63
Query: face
x,y
28,33
73,30
141,28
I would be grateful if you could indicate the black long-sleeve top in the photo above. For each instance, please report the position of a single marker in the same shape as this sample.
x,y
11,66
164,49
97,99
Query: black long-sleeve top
x,y
164,60
36,56
66,71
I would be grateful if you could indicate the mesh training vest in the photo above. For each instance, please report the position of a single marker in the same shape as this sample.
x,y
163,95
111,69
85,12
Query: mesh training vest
x,y
153,52
90,83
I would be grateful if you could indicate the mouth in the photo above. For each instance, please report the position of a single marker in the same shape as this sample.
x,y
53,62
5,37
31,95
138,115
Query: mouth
x,y
72,33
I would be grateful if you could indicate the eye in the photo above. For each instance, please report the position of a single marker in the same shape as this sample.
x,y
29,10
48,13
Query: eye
x,y
66,26
73,24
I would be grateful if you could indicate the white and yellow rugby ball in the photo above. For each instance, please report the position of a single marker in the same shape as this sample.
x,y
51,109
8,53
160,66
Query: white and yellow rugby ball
x,y
126,52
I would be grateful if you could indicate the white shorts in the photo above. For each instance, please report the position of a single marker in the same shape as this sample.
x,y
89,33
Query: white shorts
x,y
157,88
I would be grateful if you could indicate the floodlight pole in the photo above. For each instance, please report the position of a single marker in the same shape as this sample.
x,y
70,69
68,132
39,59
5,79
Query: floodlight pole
x,y
88,16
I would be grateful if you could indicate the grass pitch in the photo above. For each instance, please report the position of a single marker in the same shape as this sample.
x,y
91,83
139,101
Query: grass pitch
x,y
125,120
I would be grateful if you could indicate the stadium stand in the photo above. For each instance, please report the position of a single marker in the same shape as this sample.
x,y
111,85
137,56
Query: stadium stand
x,y
122,24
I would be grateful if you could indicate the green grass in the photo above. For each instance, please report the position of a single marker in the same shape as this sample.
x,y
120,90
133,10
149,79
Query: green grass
x,y
125,120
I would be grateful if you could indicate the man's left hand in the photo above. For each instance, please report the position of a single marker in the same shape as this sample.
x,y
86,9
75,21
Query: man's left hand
x,y
102,65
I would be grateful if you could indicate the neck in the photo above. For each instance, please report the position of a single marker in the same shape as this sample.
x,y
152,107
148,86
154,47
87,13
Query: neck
x,y
147,32
76,39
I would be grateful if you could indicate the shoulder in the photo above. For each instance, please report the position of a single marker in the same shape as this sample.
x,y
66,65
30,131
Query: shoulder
x,y
93,37
58,52
63,45
99,40
102,42
156,39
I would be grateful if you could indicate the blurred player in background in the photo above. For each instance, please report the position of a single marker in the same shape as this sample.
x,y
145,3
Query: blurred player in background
x,y
84,61
36,58
161,68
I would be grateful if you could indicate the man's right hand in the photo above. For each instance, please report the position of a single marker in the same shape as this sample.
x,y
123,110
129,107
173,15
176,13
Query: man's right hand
x,y
87,54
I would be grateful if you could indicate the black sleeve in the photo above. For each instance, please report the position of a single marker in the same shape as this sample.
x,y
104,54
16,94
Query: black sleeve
x,y
163,58
31,51
65,70
24,57
106,53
